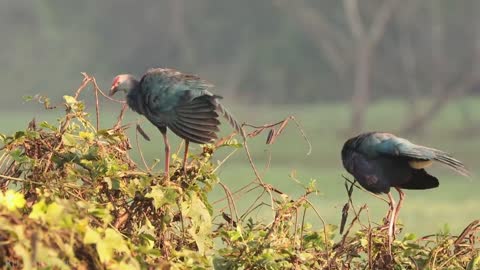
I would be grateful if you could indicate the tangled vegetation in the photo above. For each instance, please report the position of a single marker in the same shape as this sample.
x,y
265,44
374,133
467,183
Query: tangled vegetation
x,y
72,198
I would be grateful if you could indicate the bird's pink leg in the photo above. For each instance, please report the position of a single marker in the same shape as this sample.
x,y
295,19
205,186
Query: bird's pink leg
x,y
391,222
399,204
185,154
167,155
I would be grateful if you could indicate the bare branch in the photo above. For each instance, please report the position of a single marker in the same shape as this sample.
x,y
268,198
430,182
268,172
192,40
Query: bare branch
x,y
444,97
380,21
331,42
354,19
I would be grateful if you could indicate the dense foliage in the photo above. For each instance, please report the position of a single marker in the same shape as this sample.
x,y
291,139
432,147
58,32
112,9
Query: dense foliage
x,y
73,198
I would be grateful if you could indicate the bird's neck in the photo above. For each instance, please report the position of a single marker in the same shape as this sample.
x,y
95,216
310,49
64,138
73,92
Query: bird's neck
x,y
132,86
134,96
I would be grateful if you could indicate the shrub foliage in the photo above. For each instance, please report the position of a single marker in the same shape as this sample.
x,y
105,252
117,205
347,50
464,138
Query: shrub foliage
x,y
72,198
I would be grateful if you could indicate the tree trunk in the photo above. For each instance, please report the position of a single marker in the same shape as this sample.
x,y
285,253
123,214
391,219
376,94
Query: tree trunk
x,y
361,86
419,123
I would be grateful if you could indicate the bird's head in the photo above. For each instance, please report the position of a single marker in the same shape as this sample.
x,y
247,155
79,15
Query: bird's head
x,y
347,149
123,82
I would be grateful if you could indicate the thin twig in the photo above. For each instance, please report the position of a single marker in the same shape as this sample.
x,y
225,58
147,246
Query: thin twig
x,y
231,201
224,160
19,179
324,227
362,189
273,134
137,142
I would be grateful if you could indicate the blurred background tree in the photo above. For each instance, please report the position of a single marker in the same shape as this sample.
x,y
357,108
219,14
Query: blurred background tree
x,y
268,51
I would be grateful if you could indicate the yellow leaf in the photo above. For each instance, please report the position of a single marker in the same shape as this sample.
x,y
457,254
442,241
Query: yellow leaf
x,y
87,136
54,213
38,210
112,242
91,236
69,139
12,200
69,100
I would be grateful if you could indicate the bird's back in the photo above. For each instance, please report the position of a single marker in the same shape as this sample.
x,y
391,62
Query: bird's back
x,y
375,159
163,88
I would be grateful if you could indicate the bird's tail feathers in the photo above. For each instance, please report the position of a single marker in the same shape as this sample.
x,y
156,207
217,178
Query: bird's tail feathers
x,y
231,120
451,162
421,180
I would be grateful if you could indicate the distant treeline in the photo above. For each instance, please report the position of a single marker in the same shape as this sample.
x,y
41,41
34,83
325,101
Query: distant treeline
x,y
267,51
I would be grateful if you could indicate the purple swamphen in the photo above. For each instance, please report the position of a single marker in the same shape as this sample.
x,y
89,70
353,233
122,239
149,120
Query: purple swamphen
x,y
379,161
177,101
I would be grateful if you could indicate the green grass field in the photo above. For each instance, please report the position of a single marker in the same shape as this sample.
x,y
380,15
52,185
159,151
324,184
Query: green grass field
x,y
456,202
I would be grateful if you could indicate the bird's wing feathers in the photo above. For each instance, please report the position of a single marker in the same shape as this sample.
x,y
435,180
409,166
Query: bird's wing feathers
x,y
183,103
369,174
163,89
196,120
393,146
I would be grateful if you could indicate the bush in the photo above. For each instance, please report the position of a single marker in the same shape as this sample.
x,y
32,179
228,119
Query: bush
x,y
72,198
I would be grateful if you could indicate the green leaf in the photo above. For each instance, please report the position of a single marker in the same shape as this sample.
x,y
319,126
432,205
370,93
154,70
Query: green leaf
x,y
38,210
70,100
235,235
111,243
19,156
102,213
364,242
19,134
54,213
409,237
162,196
69,139
201,220
472,265
46,125
87,136
91,236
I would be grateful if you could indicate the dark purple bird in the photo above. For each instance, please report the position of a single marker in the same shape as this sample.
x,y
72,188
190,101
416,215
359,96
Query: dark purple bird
x,y
177,101
379,161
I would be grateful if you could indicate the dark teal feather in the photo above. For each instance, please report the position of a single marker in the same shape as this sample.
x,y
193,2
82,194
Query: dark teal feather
x,y
180,102
382,160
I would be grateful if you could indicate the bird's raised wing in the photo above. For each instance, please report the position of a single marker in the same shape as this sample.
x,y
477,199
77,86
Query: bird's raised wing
x,y
196,120
182,103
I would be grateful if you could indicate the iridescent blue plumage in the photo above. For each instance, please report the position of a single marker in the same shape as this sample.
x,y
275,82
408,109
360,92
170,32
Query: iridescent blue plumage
x,y
381,160
177,101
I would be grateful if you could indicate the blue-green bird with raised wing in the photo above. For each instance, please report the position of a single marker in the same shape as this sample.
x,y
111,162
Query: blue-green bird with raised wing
x,y
380,161
177,101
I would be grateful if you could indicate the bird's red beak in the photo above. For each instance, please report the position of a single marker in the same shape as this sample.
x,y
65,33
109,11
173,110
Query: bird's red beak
x,y
113,90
